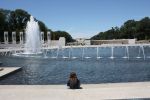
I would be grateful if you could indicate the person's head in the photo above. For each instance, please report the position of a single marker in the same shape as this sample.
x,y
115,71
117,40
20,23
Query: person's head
x,y
73,75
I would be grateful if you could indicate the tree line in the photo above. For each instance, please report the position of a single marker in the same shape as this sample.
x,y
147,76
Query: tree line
x,y
129,30
17,20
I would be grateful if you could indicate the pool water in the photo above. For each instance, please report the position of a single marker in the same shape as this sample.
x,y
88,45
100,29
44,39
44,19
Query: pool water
x,y
43,70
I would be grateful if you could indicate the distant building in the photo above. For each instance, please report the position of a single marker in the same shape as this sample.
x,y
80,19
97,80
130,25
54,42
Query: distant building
x,y
114,41
80,41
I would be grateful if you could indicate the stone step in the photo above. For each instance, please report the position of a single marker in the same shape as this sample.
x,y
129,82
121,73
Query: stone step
x,y
115,91
7,70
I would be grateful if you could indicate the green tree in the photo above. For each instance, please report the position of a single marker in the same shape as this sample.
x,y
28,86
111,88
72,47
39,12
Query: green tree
x,y
43,28
56,34
2,22
129,30
17,20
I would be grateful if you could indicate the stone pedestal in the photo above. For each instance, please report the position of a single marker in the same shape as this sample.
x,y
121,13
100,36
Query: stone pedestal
x,y
62,42
6,37
14,37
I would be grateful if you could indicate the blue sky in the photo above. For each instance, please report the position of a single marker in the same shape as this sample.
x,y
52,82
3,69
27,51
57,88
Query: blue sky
x,y
82,18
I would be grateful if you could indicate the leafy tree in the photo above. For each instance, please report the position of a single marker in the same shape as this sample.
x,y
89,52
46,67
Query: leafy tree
x,y
43,28
2,22
129,30
16,21
56,34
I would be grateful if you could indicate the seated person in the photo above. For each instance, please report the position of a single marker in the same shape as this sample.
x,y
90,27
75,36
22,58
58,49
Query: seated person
x,y
73,81
1,69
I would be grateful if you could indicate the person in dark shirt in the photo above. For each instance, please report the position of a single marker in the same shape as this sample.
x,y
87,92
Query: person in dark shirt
x,y
1,69
73,82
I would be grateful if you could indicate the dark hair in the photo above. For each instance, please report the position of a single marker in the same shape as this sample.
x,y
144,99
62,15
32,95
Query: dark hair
x,y
73,75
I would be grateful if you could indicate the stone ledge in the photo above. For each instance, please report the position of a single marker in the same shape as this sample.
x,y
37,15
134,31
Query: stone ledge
x,y
7,70
129,90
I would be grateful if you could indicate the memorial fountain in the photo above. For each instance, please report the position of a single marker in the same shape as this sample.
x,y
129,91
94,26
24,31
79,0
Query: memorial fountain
x,y
93,64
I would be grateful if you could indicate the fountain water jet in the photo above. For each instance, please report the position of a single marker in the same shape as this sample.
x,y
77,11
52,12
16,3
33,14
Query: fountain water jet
x,y
33,43
139,53
112,53
143,52
86,57
72,55
126,53
82,53
98,57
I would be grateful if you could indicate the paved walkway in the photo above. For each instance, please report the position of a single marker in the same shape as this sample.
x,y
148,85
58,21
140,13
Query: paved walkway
x,y
89,92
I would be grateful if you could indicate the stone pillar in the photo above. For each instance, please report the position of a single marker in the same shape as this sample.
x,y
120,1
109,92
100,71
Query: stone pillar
x,y
21,37
48,37
6,37
14,37
42,37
